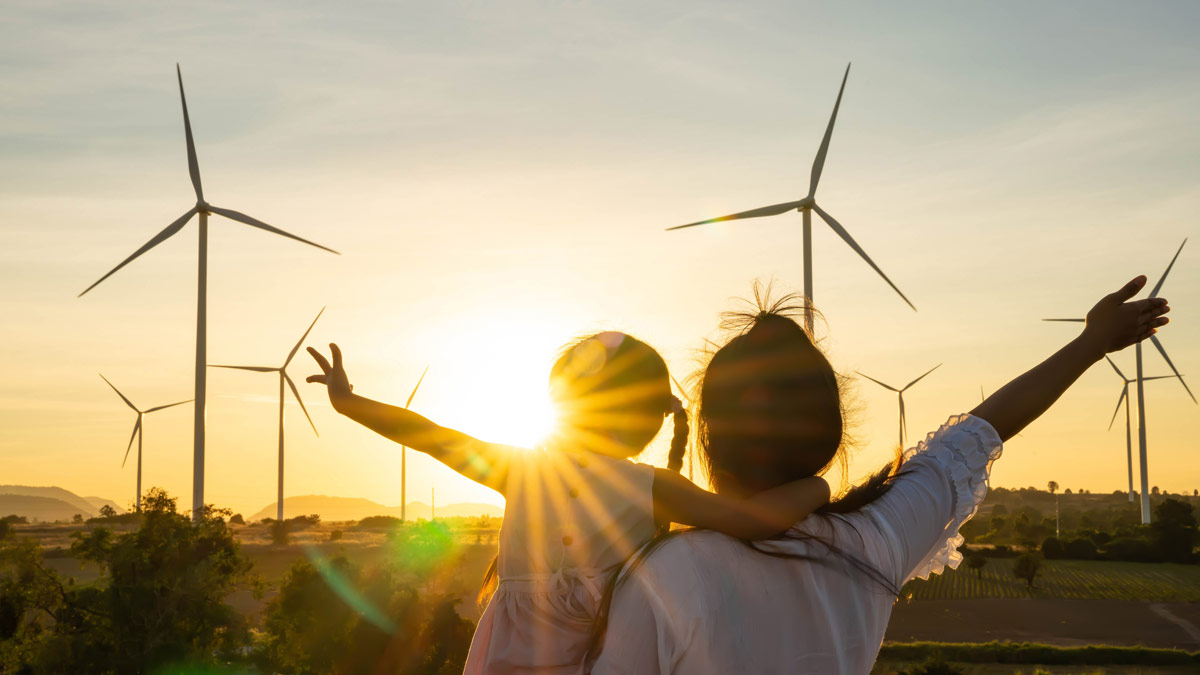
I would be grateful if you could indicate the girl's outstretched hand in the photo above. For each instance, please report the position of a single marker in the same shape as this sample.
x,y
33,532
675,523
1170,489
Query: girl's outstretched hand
x,y
1115,322
332,376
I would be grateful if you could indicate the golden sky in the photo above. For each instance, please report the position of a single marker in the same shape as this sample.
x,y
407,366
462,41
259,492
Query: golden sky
x,y
498,180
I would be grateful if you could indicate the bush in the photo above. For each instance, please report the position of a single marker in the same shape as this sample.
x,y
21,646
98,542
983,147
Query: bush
x,y
378,523
1080,549
1026,567
237,519
14,519
1052,548
336,535
1132,549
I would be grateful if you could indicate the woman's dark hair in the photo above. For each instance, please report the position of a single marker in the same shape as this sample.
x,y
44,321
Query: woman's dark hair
x,y
612,385
770,411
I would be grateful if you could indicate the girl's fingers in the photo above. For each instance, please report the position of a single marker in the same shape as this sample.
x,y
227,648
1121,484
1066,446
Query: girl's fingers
x,y
315,379
337,356
319,359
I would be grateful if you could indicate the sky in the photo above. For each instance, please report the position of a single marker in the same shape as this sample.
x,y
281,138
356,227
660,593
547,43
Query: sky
x,y
498,178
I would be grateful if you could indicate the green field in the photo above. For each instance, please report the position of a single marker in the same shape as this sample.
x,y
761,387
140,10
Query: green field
x,y
1066,580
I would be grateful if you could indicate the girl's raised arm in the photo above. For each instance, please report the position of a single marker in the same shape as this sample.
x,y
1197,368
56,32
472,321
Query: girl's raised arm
x,y
766,514
484,463
1113,324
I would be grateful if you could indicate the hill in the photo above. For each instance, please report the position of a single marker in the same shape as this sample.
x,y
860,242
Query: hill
x,y
357,508
39,508
98,502
79,504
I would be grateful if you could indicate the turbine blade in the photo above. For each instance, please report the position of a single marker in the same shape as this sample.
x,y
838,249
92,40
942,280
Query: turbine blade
x,y
1068,320
414,391
114,388
254,222
257,369
193,165
1159,347
1114,367
841,232
920,378
297,347
169,405
903,421
1158,286
885,386
296,393
682,392
1120,400
159,238
773,210
136,427
1158,377
819,162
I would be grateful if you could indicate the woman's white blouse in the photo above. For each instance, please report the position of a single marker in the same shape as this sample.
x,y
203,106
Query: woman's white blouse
x,y
705,603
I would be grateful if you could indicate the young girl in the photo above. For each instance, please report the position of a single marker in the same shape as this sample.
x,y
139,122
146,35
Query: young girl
x,y
576,507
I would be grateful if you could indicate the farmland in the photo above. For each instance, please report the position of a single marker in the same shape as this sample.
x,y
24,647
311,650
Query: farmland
x,y
1065,580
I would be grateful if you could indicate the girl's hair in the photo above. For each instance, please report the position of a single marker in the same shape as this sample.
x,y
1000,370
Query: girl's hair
x,y
612,391
770,411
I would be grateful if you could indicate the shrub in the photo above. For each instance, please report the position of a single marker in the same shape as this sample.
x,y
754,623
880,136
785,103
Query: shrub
x,y
237,519
378,523
1026,567
1052,548
336,535
1080,549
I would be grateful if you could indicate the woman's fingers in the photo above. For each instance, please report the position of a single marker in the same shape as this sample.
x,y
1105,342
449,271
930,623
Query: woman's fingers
x,y
1130,289
315,379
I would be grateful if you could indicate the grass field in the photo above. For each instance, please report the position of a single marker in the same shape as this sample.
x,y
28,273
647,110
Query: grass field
x,y
1066,580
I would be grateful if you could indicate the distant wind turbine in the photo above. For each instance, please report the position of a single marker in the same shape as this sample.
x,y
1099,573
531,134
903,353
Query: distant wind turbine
x,y
1139,379
137,432
202,209
404,453
283,378
900,397
1124,398
806,206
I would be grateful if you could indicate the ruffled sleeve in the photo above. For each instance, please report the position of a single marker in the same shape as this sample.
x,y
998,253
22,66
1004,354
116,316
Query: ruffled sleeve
x,y
941,484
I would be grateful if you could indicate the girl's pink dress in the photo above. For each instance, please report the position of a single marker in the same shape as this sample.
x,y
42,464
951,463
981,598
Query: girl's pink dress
x,y
570,519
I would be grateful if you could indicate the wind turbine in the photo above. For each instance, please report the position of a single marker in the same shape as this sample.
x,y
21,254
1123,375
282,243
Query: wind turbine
x,y
1124,398
806,206
202,209
404,453
900,397
283,378
137,432
1139,379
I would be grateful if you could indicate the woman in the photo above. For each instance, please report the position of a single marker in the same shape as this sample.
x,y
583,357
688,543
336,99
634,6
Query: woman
x,y
817,599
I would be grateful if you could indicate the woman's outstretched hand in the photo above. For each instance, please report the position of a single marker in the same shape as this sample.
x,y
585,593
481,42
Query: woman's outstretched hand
x,y
1115,322
332,376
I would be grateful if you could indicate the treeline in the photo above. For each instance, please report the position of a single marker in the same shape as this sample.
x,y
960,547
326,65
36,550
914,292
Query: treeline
x,y
159,604
1108,531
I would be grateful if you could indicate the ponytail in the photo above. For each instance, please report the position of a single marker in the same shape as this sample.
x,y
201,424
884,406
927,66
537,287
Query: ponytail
x,y
679,440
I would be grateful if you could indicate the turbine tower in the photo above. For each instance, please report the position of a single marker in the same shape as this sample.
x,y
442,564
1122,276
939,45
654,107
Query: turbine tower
x,y
806,206
1139,379
404,454
137,432
201,209
283,378
900,397
1124,398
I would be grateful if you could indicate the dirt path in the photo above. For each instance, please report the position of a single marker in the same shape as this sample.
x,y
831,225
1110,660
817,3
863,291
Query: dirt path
x,y
1059,622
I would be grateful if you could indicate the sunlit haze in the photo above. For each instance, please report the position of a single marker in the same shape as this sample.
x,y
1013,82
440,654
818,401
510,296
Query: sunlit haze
x,y
498,178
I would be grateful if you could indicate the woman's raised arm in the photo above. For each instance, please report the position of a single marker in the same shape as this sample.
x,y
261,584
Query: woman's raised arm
x,y
1113,324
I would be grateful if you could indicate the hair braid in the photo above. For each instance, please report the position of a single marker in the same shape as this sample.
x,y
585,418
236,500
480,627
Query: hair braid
x,y
679,439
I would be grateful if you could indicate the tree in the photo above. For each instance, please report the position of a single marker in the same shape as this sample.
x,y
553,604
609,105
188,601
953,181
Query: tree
x,y
975,560
1026,567
159,600
1067,491
107,511
1175,530
237,519
1052,548
77,519
1154,490
1052,487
